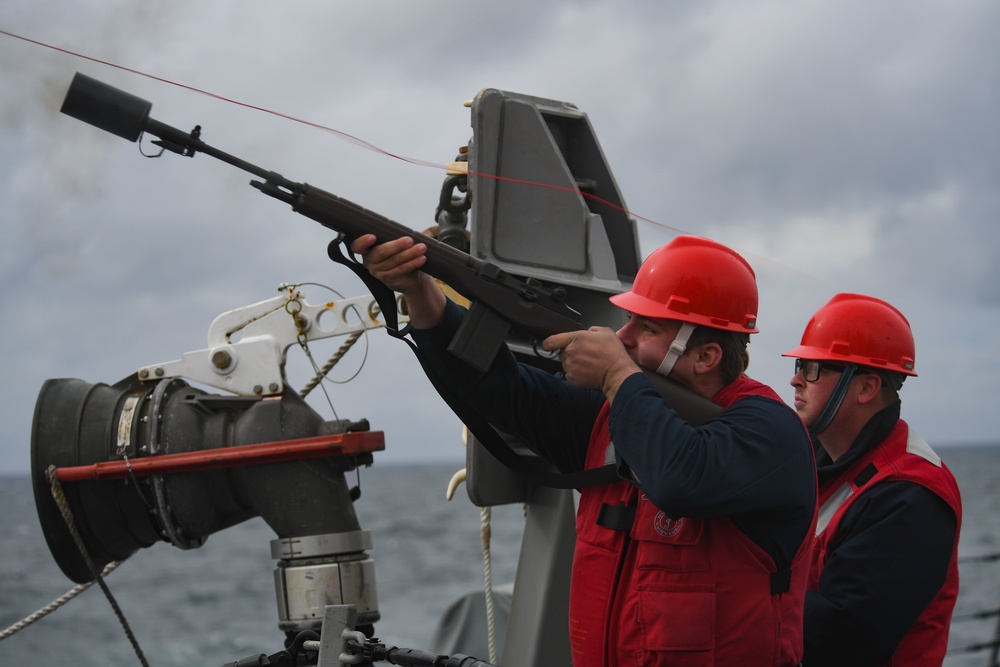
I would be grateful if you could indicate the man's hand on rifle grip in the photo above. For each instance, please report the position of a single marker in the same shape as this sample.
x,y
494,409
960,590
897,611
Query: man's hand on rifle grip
x,y
397,264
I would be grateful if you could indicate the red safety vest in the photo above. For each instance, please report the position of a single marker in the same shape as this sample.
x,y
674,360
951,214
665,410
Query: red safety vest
x,y
903,455
681,592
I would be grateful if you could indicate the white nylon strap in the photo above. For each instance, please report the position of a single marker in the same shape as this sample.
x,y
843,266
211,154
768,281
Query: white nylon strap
x,y
677,348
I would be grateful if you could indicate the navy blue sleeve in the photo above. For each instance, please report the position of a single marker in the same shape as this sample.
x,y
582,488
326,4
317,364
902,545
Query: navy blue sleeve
x,y
891,557
753,463
550,415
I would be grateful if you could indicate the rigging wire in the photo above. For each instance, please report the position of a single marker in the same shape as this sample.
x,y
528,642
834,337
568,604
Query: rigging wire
x,y
320,375
346,136
362,143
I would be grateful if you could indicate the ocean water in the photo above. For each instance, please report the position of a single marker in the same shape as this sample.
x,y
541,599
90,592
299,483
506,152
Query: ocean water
x,y
214,605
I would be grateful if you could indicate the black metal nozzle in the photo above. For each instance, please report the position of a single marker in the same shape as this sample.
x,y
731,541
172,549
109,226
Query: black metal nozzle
x,y
125,115
106,107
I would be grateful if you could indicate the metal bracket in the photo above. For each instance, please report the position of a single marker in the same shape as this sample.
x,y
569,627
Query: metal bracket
x,y
254,364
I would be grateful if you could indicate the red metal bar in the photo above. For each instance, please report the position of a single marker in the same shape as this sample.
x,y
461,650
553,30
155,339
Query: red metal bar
x,y
344,444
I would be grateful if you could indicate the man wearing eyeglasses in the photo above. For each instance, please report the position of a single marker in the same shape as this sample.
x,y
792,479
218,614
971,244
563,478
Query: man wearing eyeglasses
x,y
885,576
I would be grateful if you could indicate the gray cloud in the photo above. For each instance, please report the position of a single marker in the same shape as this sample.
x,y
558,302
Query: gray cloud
x,y
842,147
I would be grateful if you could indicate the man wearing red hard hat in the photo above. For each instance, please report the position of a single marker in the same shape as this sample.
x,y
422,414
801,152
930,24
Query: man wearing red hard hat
x,y
697,553
885,573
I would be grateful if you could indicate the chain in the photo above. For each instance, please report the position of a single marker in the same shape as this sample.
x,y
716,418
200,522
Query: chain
x,y
293,306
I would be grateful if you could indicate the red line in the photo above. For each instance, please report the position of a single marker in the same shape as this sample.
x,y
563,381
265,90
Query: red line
x,y
344,135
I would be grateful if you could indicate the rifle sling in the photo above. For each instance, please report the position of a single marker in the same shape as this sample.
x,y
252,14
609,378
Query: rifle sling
x,y
693,408
475,422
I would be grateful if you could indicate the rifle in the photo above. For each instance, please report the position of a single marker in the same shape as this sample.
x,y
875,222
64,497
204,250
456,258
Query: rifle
x,y
498,300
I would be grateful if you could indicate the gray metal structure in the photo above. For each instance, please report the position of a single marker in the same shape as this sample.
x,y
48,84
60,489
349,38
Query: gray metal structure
x,y
545,206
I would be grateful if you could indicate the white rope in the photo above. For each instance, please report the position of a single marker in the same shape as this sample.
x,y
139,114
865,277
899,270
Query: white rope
x,y
485,531
485,513
55,604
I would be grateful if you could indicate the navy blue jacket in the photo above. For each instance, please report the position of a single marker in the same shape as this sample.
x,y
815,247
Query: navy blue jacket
x,y
753,463
891,558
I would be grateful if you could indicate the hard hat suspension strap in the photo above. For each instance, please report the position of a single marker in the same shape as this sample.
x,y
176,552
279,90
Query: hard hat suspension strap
x,y
677,348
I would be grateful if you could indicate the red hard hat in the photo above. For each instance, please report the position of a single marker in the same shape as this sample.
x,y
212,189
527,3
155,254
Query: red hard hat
x,y
859,329
694,279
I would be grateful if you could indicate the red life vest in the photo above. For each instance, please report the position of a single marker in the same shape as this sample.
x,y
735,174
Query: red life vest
x,y
903,455
682,592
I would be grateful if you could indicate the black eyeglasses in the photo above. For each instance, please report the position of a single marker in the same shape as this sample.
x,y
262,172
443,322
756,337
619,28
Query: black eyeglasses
x,y
810,368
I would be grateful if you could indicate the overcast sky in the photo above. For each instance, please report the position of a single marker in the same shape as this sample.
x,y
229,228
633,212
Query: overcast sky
x,y
840,146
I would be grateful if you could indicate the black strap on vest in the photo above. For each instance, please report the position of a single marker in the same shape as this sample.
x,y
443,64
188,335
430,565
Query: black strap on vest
x,y
781,582
866,475
616,517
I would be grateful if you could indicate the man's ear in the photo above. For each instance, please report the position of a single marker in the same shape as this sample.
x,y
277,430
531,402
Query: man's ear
x,y
707,356
870,388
